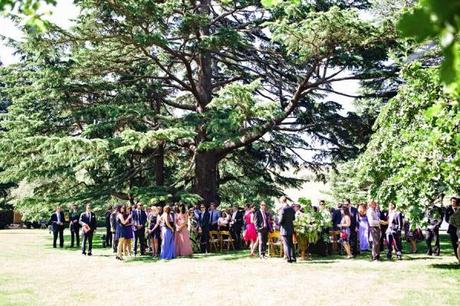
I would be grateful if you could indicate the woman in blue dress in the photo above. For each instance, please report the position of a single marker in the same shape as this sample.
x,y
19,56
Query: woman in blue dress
x,y
363,234
168,249
154,230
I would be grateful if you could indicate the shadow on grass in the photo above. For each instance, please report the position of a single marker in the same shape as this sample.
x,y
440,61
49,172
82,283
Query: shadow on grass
x,y
452,266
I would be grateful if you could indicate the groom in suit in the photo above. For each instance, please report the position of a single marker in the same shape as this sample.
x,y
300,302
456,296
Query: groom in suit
x,y
263,227
57,224
287,217
88,223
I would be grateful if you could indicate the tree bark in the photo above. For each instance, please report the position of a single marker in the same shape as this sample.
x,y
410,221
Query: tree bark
x,y
159,165
207,176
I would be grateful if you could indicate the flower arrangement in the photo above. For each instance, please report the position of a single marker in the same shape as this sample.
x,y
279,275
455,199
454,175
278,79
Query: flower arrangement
x,y
310,223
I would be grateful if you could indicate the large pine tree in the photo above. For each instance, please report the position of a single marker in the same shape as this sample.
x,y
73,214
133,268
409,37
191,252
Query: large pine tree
x,y
153,99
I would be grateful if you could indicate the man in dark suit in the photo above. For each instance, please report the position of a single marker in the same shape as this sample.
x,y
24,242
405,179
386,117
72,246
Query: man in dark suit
x,y
236,226
263,226
108,229
57,224
89,225
354,226
74,226
452,230
139,219
434,215
204,227
286,221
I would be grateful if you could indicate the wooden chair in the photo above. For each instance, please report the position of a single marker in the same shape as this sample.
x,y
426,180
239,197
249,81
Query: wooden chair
x,y
214,240
226,239
334,235
274,242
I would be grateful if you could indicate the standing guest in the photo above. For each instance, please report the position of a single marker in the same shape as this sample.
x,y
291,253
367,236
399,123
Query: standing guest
x,y
345,231
182,238
383,227
411,236
108,227
337,217
452,230
74,226
263,226
168,250
128,229
155,230
454,220
286,220
434,217
250,234
89,224
197,212
204,227
113,227
139,220
322,243
214,215
223,222
354,227
393,232
57,225
236,225
122,231
373,218
363,233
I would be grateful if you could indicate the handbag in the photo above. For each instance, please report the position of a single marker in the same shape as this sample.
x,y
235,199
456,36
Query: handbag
x,y
86,228
343,235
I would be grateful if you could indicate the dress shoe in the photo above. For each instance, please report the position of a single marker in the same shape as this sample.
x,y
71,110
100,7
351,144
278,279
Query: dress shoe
x,y
83,253
89,254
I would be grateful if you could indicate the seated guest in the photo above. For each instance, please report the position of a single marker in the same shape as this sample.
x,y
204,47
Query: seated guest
x,y
57,225
74,226
223,222
89,224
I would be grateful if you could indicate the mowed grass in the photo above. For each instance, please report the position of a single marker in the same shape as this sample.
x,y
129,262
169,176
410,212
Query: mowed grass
x,y
33,273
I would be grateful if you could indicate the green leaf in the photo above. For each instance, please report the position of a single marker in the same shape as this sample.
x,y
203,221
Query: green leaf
x,y
417,24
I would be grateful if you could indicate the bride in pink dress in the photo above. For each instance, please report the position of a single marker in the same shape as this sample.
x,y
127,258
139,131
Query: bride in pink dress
x,y
182,239
250,234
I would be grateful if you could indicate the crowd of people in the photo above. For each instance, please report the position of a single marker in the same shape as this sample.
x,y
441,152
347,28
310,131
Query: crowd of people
x,y
172,231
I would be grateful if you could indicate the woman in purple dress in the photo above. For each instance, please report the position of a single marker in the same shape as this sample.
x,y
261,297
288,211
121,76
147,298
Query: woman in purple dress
x,y
363,228
168,249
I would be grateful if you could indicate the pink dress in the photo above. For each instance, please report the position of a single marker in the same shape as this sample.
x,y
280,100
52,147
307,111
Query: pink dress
x,y
250,234
182,239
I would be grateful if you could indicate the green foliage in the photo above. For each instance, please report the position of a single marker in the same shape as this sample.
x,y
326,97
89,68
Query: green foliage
x,y
412,158
437,19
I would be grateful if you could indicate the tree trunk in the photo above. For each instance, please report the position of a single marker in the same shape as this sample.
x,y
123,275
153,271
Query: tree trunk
x,y
159,165
206,176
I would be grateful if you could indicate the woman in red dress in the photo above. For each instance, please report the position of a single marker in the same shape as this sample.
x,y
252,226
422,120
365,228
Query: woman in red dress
x,y
250,234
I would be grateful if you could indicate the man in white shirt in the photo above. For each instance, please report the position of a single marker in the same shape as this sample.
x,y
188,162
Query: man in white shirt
x,y
373,218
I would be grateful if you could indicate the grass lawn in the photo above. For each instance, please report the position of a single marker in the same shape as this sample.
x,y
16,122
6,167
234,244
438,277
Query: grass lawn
x,y
33,273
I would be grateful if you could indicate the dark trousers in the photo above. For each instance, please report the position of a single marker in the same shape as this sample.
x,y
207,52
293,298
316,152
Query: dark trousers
x,y
139,236
88,237
236,234
263,240
288,246
74,236
114,242
430,235
354,242
204,241
108,237
375,234
394,242
454,241
59,232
